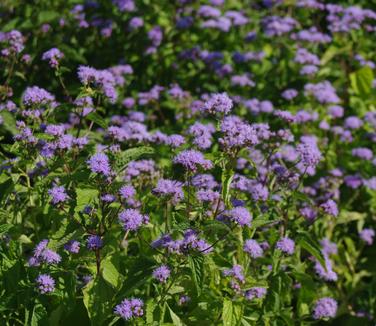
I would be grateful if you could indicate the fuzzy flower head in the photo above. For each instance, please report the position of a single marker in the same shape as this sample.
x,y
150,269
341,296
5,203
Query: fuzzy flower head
x,y
42,254
99,163
94,242
72,246
239,215
325,308
37,96
255,293
171,188
162,273
130,308
218,103
53,56
132,219
46,284
330,207
286,245
253,248
58,194
237,272
367,236
191,160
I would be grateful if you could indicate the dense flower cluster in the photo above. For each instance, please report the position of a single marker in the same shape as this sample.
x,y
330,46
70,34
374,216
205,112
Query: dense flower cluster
x,y
187,162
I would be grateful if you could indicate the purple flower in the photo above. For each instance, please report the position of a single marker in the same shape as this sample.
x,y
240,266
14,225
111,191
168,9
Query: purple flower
x,y
72,246
218,103
255,293
37,96
289,94
99,163
44,255
309,152
191,160
53,55
237,133
132,219
286,245
330,207
367,236
170,188
325,308
236,271
326,273
127,192
46,284
253,248
363,153
58,194
162,273
130,308
239,215
94,242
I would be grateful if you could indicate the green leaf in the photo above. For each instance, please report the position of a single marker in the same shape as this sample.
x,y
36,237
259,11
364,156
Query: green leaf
x,y
47,16
110,272
227,177
150,307
196,264
95,117
39,314
85,196
124,157
4,228
361,81
227,312
262,221
9,122
98,297
5,188
175,318
306,242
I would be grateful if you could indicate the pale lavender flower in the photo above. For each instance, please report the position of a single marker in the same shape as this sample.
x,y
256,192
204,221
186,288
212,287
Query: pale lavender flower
x,y
132,219
130,308
162,273
53,56
286,245
58,194
255,293
367,236
218,103
192,160
94,242
46,284
325,308
253,248
99,163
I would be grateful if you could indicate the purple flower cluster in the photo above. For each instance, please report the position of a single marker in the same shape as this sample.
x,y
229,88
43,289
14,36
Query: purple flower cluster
x,y
130,308
132,219
46,284
53,56
162,273
286,245
171,189
325,308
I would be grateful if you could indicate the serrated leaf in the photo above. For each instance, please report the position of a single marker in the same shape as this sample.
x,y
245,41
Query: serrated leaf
x,y
196,264
98,297
124,157
39,313
9,122
361,81
306,242
110,274
227,177
95,117
227,312
150,307
4,228
175,318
